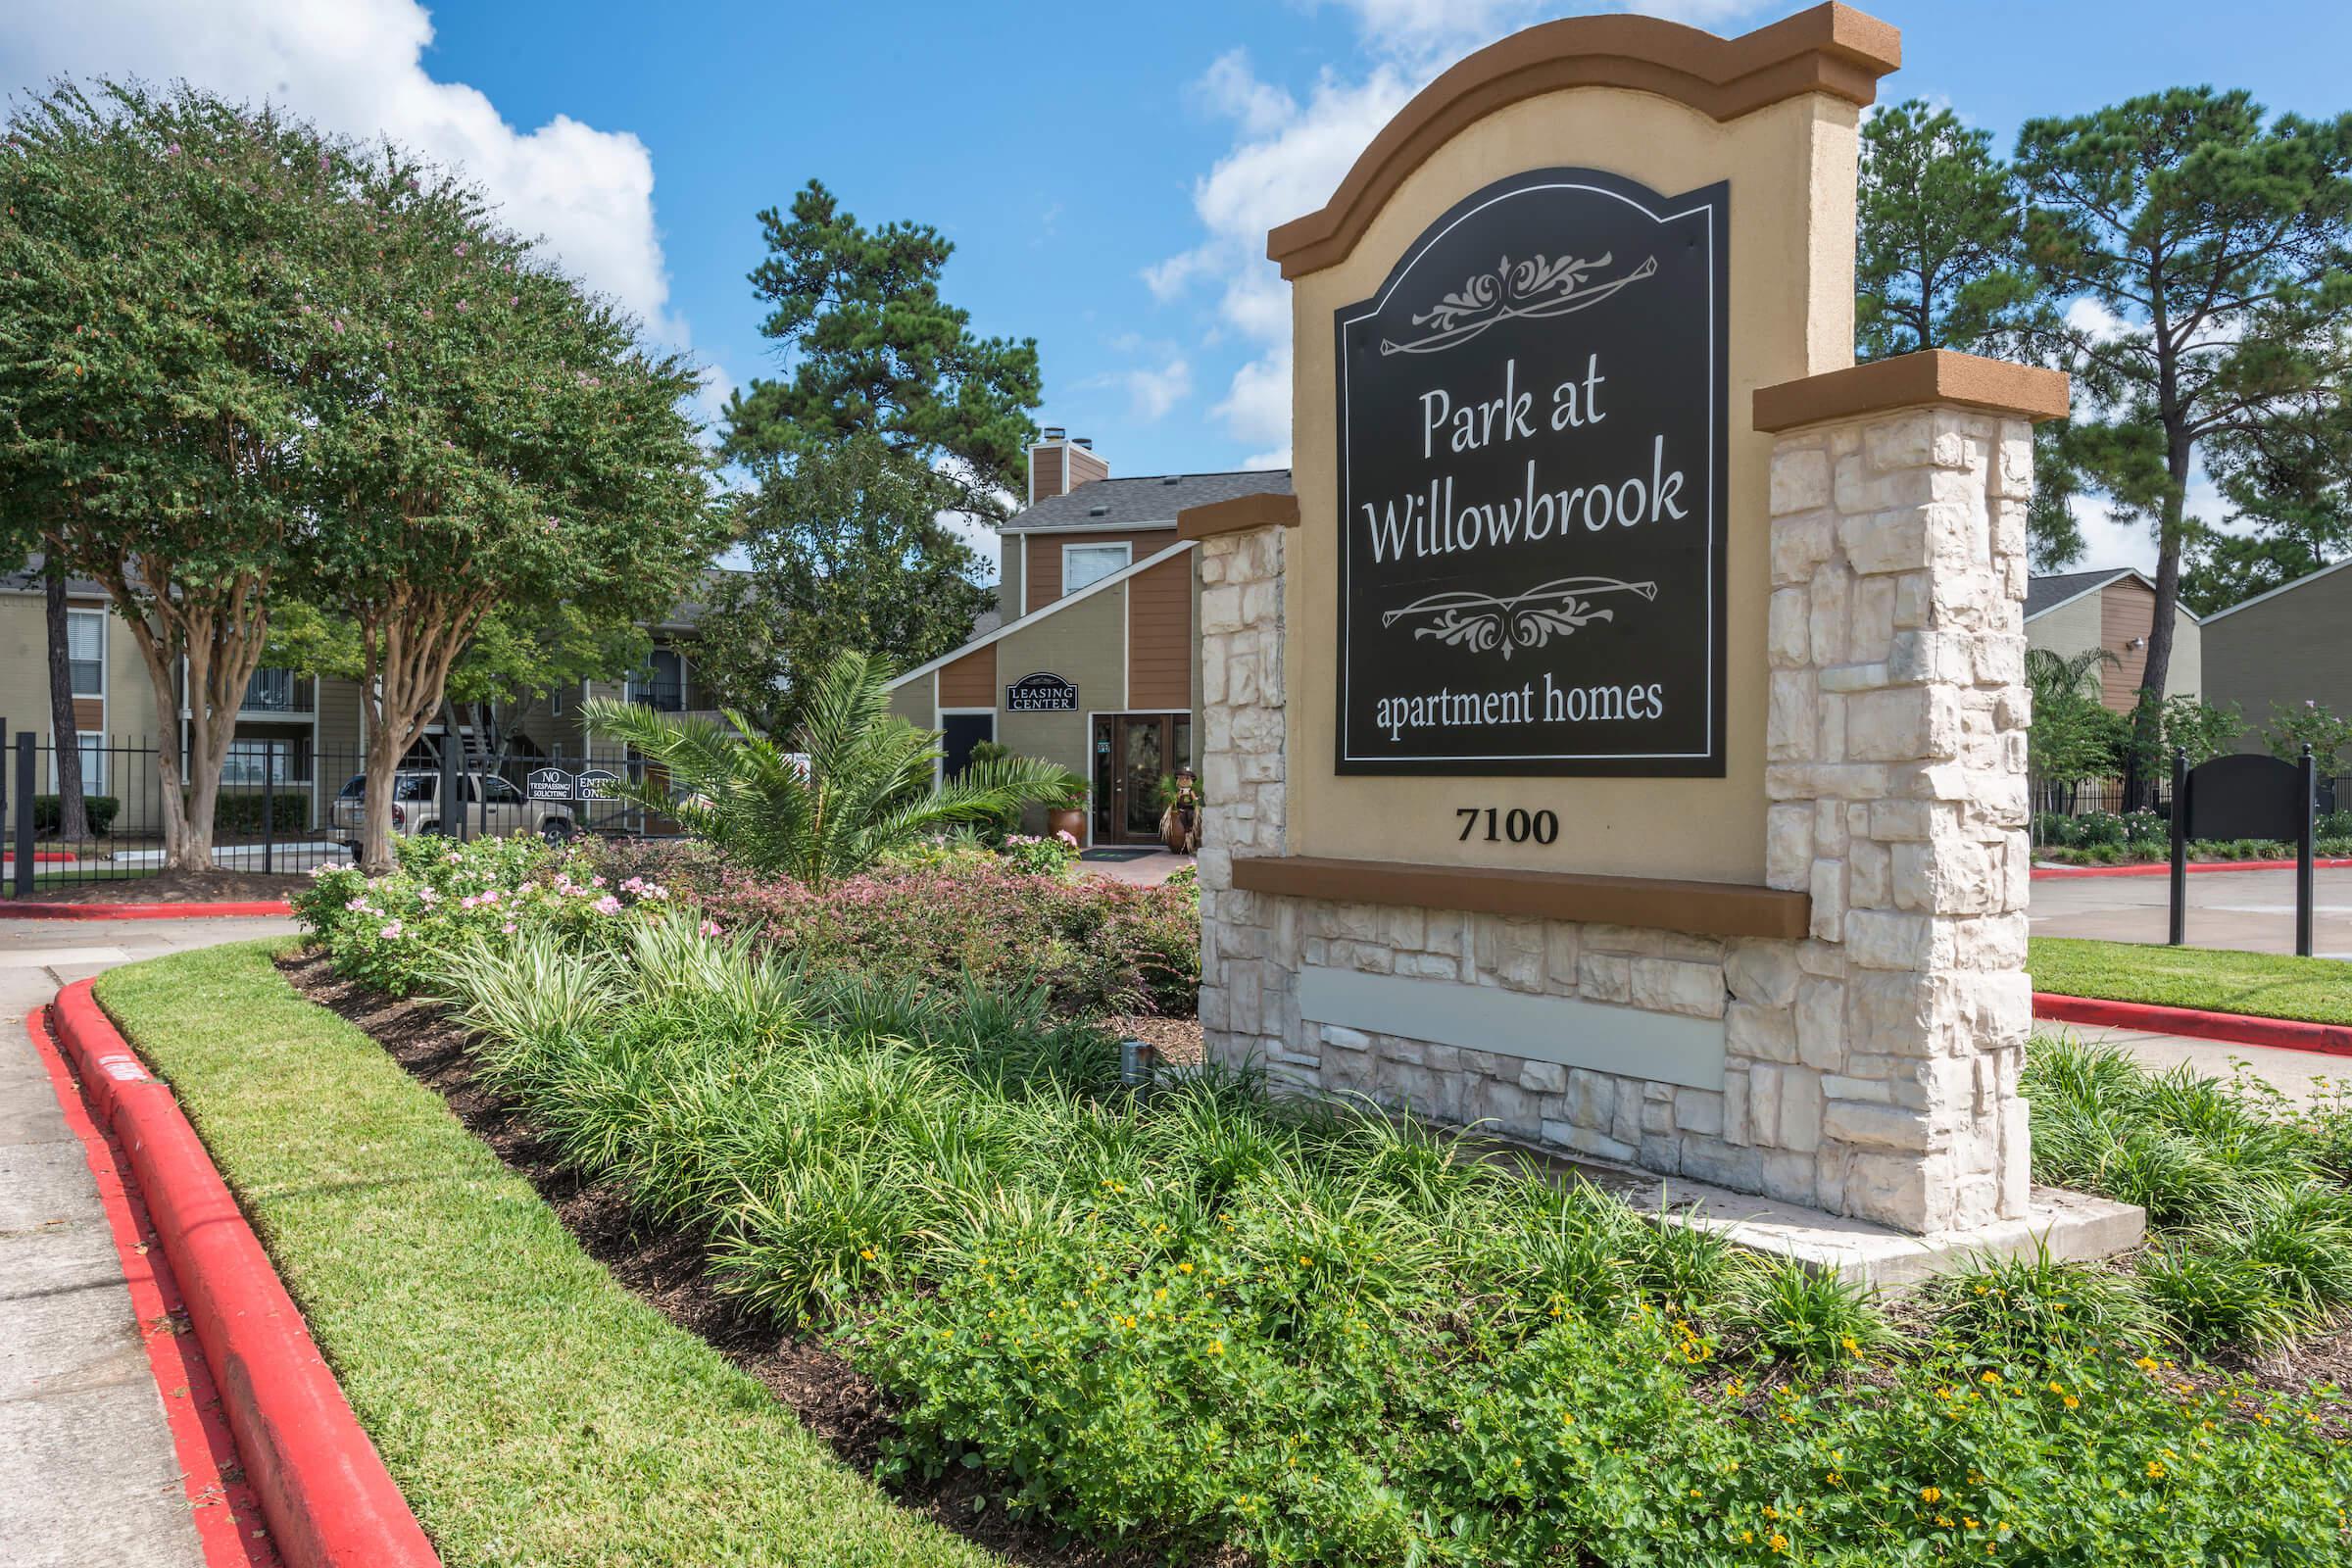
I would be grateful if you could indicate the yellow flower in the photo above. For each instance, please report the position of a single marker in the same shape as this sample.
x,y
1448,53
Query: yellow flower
x,y
2146,1363
1990,1379
2155,1471
866,1253
1306,1261
1184,1268
1216,1346
1931,1493
1851,1347
1748,1534
1779,1541
2072,1402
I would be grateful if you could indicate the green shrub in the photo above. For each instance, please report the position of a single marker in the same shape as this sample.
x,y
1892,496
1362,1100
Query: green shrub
x,y
444,899
48,814
240,812
1208,1319
1814,1319
2146,828
2033,1307
2098,828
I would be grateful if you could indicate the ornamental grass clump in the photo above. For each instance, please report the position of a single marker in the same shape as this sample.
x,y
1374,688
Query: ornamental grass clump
x,y
1325,1334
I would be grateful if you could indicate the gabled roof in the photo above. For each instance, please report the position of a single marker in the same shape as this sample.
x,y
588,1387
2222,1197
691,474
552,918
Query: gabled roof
x,y
2045,594
2283,588
1008,628
1150,502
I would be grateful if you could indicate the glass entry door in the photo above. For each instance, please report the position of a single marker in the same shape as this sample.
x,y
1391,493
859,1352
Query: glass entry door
x,y
1132,754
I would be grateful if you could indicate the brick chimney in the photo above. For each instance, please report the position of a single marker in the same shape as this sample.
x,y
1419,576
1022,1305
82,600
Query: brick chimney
x,y
1060,465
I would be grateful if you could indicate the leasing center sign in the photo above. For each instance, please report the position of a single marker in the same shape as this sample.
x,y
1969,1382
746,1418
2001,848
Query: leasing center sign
x,y
1530,417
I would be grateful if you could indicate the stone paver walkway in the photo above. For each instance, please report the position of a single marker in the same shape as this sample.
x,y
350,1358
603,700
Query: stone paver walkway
x,y
88,1478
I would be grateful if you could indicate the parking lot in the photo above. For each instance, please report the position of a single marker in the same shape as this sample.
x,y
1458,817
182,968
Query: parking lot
x,y
2252,911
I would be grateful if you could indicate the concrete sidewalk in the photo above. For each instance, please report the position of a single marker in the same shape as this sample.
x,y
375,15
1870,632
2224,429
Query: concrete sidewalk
x,y
89,1477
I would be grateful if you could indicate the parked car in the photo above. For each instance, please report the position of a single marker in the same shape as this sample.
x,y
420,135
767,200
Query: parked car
x,y
417,809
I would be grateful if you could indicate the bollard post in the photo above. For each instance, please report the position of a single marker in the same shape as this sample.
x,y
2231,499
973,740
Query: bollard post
x,y
2179,930
2306,803
24,766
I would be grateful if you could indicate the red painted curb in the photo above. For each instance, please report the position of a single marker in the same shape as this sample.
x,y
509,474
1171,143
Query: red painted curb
x,y
221,1502
2163,867
142,911
2244,1029
329,1501
41,857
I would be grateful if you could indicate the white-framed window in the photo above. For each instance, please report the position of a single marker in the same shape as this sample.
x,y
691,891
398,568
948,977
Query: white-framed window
x,y
93,762
85,651
1085,564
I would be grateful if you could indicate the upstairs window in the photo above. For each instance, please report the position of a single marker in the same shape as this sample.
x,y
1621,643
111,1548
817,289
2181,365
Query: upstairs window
x,y
85,651
1083,565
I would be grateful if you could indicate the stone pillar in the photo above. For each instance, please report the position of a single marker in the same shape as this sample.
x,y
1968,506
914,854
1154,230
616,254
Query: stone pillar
x,y
1896,771
1242,777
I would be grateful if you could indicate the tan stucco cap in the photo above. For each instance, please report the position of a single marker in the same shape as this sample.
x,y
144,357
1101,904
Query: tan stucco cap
x,y
1831,49
1240,514
1910,381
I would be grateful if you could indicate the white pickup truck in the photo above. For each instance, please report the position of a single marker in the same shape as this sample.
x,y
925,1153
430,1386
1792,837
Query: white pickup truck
x,y
493,808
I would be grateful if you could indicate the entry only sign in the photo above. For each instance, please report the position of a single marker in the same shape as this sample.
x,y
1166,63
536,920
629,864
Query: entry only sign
x,y
1532,442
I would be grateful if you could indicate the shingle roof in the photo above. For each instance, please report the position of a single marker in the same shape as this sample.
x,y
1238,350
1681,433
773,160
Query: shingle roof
x,y
2045,593
1154,498
26,580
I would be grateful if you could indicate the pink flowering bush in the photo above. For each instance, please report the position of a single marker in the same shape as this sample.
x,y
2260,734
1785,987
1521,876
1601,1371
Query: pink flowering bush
x,y
393,932
936,920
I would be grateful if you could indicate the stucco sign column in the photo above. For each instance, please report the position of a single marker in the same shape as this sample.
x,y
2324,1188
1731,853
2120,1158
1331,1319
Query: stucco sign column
x,y
1621,749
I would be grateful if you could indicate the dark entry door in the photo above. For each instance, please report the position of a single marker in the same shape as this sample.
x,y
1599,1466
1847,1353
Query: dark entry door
x,y
958,733
1132,754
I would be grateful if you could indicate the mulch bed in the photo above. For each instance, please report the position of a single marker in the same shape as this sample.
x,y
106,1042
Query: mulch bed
x,y
171,887
663,1266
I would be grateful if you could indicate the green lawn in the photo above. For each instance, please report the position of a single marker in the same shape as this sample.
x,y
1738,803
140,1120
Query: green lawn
x,y
533,1411
2265,985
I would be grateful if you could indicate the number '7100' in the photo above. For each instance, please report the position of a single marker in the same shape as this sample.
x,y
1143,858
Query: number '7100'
x,y
1518,825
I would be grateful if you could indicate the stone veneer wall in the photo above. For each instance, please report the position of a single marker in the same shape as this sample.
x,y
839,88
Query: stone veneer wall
x,y
1872,1069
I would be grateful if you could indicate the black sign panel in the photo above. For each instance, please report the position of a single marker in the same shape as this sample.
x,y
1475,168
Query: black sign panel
x,y
2244,795
595,782
1532,439
1041,692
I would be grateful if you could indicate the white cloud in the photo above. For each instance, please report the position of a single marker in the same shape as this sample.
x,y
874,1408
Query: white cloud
x,y
1290,155
357,67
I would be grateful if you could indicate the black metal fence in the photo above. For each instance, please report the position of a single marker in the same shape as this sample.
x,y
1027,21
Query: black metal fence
x,y
286,803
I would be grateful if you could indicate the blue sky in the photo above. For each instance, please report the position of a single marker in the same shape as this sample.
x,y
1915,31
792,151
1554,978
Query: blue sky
x,y
1105,172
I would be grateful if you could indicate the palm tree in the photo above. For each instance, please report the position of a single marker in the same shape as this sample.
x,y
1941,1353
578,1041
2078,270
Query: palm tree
x,y
854,783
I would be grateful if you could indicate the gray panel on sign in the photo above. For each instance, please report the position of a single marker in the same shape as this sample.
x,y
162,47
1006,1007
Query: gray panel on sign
x,y
1628,1040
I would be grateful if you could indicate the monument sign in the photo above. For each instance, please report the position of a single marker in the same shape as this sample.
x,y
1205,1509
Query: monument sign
x,y
1619,744
1531,416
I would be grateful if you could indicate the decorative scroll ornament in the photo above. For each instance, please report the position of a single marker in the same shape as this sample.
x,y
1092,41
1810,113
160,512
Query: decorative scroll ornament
x,y
1515,291
1484,623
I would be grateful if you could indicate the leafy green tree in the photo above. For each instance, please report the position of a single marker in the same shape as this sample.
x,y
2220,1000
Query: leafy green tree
x,y
161,255
2205,254
873,349
1938,265
856,783
2185,723
2288,484
846,551
494,438
2073,736
1937,229
2294,727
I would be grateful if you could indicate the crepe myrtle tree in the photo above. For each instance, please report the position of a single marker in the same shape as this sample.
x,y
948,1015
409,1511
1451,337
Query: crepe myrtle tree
x,y
496,437
158,256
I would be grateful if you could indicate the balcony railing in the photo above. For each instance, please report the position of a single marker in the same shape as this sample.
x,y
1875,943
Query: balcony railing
x,y
661,696
277,691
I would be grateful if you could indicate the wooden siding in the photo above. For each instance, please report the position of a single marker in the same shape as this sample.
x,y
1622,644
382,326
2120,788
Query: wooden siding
x,y
1085,468
90,714
2126,612
1045,555
1159,636
969,681
1045,473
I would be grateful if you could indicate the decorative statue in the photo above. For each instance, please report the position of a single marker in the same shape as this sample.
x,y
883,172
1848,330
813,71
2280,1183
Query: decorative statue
x,y
1179,823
